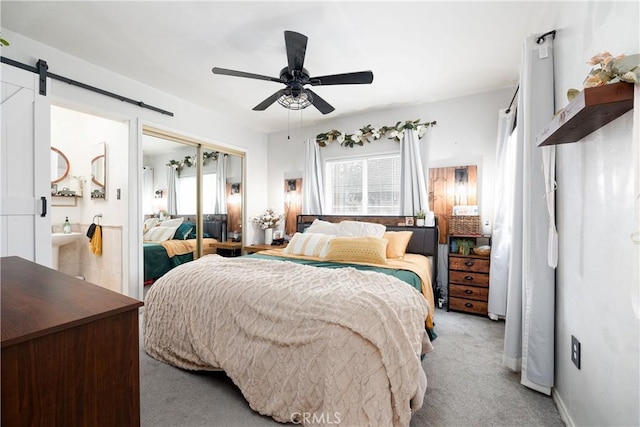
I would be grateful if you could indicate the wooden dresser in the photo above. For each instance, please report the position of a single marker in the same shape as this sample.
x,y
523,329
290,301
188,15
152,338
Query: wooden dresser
x,y
468,282
70,350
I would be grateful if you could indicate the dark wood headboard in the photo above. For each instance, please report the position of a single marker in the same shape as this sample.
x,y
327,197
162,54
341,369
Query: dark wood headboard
x,y
215,225
424,240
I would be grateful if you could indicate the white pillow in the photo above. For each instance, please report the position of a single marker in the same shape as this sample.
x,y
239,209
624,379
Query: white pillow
x,y
323,227
163,231
159,234
171,222
149,224
361,229
309,244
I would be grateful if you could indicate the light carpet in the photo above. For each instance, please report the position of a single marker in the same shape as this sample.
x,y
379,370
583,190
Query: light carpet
x,y
467,386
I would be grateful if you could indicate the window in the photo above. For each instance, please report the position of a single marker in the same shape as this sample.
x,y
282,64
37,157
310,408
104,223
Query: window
x,y
363,186
186,195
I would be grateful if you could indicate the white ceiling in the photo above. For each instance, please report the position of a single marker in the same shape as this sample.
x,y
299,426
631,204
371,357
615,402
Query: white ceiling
x,y
420,51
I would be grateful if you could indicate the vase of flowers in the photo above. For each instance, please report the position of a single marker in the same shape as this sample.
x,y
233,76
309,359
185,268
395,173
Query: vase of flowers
x,y
267,221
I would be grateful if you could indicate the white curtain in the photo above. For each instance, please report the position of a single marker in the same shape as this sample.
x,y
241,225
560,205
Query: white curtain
x,y
529,327
413,187
221,185
312,183
172,201
503,203
148,193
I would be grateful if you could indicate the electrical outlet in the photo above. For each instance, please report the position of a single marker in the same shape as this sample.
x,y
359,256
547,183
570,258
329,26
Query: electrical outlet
x,y
575,351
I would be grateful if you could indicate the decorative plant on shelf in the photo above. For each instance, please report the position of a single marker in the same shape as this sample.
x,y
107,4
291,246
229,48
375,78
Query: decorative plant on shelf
x,y
268,219
421,214
465,245
609,69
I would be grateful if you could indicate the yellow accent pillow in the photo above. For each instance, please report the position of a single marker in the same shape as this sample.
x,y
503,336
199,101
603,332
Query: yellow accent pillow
x,y
398,242
358,249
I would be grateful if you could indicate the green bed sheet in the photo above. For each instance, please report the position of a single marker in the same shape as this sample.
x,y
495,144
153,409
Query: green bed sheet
x,y
157,262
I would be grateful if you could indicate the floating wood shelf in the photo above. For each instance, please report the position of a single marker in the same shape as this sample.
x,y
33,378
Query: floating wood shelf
x,y
590,110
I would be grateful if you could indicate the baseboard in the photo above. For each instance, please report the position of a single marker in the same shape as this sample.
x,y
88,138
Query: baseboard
x,y
564,414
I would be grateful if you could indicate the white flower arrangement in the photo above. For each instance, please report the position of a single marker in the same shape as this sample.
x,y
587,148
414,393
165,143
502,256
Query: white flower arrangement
x,y
268,219
368,133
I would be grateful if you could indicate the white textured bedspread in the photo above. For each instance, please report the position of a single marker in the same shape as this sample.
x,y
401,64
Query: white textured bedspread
x,y
304,344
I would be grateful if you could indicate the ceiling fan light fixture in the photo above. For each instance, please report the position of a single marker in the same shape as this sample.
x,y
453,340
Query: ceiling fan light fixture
x,y
300,102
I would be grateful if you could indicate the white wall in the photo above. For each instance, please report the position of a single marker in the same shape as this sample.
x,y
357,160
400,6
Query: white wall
x,y
465,134
597,276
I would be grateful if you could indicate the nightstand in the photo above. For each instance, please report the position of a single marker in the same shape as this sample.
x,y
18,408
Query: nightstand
x,y
257,248
468,289
227,248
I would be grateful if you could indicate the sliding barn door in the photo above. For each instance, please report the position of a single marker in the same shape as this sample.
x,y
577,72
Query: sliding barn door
x,y
25,168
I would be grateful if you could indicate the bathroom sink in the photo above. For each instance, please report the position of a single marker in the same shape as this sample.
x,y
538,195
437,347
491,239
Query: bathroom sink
x,y
61,239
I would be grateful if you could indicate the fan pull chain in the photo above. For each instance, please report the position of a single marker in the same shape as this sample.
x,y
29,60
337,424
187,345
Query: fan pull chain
x,y
288,124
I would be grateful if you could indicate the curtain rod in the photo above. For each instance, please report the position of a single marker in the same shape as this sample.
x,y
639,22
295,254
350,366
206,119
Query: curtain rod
x,y
512,99
42,67
551,33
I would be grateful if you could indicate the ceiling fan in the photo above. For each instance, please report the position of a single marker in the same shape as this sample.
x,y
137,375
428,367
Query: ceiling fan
x,y
294,76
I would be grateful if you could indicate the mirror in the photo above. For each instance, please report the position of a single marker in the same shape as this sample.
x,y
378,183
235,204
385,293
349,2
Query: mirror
x,y
99,171
173,191
59,165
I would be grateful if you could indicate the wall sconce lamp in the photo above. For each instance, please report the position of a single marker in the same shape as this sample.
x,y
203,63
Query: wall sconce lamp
x,y
235,188
158,194
291,185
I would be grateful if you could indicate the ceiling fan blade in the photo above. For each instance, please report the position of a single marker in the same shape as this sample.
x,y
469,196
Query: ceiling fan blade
x,y
270,100
296,50
323,106
234,73
357,78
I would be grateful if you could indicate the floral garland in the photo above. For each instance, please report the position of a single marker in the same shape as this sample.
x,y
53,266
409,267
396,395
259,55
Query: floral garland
x,y
366,133
190,161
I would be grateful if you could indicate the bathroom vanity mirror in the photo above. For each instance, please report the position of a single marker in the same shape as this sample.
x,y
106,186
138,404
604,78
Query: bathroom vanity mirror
x,y
59,165
99,171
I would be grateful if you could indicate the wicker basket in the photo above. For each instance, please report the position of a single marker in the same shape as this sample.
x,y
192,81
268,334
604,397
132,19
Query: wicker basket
x,y
464,224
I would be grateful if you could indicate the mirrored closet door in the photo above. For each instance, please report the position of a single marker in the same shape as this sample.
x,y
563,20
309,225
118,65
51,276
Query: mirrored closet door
x,y
192,201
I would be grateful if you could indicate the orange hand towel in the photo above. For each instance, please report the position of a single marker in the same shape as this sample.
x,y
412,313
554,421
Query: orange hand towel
x,y
95,244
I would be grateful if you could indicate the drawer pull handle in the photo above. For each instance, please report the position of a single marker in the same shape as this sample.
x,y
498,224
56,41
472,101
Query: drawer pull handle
x,y
468,263
468,291
468,305
468,277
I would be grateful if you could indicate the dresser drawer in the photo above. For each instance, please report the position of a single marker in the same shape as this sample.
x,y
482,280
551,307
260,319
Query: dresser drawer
x,y
469,264
468,305
469,292
467,278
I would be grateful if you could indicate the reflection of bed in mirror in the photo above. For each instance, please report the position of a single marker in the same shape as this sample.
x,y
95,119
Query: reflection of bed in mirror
x,y
164,250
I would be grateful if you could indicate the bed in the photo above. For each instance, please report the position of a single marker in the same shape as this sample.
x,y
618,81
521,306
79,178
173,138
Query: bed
x,y
304,344
160,256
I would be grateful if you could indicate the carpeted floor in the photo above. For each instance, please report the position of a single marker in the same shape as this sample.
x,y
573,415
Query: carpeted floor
x,y
467,387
